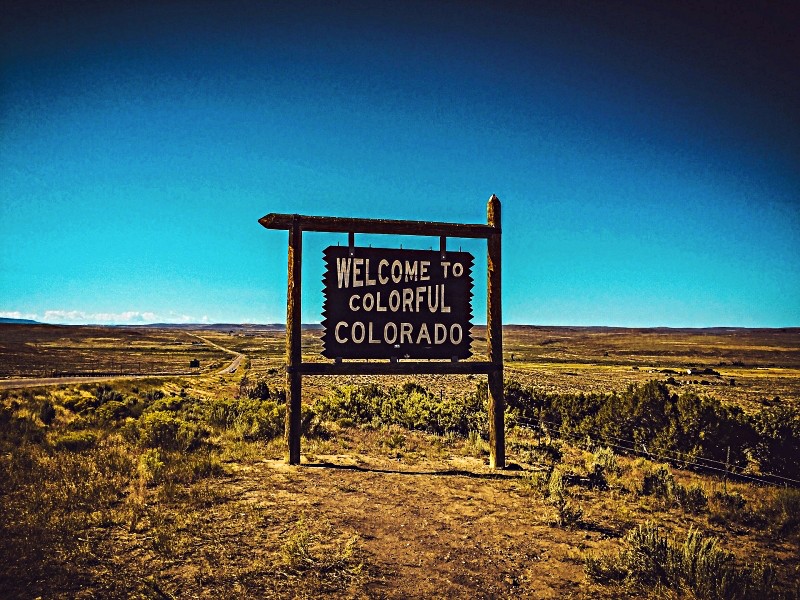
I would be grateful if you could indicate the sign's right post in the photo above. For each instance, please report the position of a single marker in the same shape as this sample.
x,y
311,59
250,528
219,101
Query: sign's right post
x,y
494,340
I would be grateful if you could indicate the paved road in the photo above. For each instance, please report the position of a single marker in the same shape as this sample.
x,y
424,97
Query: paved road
x,y
232,367
235,363
41,381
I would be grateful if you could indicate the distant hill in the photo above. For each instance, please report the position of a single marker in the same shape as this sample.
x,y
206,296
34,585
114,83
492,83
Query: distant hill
x,y
213,326
18,321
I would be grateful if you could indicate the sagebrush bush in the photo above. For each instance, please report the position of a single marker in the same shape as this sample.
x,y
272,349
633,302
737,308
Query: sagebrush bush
x,y
164,430
692,498
783,510
659,483
247,418
698,565
47,412
75,441
686,426
410,406
567,514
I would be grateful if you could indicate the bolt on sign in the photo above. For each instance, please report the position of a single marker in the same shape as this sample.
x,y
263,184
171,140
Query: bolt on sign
x,y
391,304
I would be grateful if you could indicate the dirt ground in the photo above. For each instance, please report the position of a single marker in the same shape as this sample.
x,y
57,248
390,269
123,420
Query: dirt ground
x,y
444,529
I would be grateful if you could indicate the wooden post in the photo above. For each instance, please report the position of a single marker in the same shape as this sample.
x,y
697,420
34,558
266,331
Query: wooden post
x,y
494,340
293,347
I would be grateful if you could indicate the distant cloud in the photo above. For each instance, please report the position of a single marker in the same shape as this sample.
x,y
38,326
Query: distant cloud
x,y
128,317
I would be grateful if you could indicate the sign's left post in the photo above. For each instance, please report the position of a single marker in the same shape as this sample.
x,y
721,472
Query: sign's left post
x,y
293,346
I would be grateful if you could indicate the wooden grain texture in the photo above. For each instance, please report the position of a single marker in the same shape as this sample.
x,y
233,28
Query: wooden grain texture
x,y
293,347
494,339
381,226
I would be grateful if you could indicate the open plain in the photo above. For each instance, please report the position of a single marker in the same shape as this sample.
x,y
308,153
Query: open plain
x,y
174,485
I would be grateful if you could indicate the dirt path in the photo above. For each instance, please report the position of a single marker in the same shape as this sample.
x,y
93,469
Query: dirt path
x,y
448,529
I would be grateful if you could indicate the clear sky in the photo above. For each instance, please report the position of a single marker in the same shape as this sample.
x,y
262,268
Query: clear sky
x,y
647,155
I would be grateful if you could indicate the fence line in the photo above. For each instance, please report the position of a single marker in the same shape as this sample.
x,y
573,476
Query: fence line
x,y
535,425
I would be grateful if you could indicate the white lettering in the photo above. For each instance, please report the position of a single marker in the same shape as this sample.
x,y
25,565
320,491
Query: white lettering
x,y
445,309
343,271
423,270
408,299
423,332
445,264
386,338
405,332
433,298
341,340
396,277
371,339
366,275
419,295
458,269
439,333
384,263
455,328
357,264
411,271
358,337
368,302
352,298
378,306
394,300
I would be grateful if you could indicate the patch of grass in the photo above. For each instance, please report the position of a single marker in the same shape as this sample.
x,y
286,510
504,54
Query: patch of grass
x,y
338,561
699,566
75,441
567,513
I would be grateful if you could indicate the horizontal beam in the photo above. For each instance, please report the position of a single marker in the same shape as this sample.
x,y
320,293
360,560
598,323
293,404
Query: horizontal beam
x,y
397,368
382,226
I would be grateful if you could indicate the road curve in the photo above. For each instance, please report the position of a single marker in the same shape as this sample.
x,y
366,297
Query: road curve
x,y
235,363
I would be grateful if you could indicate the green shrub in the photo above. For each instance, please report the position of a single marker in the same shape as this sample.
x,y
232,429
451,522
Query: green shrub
x,y
693,498
783,510
16,429
606,459
410,406
112,410
566,513
171,404
76,441
151,466
686,426
659,483
47,412
699,565
603,463
732,501
164,430
538,481
249,419
105,393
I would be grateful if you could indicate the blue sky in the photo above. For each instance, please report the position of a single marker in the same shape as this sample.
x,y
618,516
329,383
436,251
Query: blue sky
x,y
647,157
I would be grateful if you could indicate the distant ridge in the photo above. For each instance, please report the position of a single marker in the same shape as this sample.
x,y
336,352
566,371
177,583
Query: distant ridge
x,y
18,321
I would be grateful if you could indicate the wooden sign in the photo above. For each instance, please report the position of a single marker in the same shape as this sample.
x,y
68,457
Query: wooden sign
x,y
383,303
388,303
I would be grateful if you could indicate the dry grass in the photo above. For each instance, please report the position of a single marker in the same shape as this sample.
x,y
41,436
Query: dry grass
x,y
383,512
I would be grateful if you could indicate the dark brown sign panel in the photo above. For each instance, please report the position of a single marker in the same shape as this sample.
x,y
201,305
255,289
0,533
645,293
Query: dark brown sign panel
x,y
390,303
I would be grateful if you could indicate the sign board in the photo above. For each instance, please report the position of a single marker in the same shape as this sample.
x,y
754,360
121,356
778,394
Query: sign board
x,y
385,303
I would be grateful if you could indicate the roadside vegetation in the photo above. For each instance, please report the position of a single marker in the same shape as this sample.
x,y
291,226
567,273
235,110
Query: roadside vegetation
x,y
85,471
622,482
